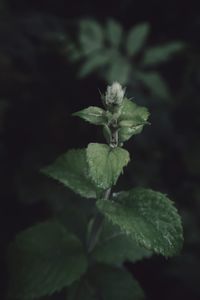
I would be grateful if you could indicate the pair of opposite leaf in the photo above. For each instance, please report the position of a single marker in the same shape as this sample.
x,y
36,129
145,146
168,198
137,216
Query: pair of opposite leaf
x,y
47,257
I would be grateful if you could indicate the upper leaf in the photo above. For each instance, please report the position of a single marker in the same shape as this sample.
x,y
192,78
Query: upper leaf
x,y
92,114
44,259
113,32
106,283
72,170
132,119
137,38
160,54
106,164
147,216
114,246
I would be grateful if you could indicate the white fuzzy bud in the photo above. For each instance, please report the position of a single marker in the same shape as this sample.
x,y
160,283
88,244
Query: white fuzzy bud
x,y
114,94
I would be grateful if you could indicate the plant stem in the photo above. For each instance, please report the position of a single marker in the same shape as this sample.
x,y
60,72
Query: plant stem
x,y
99,218
97,226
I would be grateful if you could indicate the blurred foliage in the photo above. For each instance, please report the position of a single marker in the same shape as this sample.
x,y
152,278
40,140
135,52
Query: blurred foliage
x,y
39,89
122,56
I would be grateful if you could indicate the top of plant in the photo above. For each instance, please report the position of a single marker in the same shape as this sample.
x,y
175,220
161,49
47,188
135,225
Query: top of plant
x,y
121,118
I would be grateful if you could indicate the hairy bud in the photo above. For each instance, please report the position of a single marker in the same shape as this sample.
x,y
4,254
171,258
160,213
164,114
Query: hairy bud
x,y
114,94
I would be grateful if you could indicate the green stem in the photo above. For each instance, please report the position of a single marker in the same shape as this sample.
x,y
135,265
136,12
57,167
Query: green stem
x,y
97,226
99,218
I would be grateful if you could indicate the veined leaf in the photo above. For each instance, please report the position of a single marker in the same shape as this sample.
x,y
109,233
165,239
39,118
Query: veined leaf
x,y
106,164
147,216
159,54
115,247
71,169
94,115
44,259
113,32
137,38
132,119
106,283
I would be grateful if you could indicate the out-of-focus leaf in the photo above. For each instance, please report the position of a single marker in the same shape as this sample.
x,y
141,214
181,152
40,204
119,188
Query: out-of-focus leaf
x,y
155,84
90,36
93,62
113,32
118,70
159,54
137,38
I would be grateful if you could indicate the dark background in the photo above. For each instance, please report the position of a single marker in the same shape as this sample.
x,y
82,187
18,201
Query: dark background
x,y
39,89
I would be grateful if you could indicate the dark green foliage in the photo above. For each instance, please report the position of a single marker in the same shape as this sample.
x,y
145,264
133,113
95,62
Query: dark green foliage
x,y
47,257
44,259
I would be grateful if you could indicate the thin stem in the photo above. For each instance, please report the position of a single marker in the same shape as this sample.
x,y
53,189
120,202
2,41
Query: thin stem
x,y
97,226
99,218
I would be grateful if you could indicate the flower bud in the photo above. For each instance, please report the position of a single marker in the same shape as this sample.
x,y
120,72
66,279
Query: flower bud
x,y
114,94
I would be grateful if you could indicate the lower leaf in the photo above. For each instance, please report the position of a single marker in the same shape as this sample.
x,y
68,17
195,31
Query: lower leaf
x,y
44,259
104,282
148,217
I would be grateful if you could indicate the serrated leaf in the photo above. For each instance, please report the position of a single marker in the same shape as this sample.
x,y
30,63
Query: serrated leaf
x,y
71,169
159,54
118,70
137,38
113,32
90,36
44,259
106,164
132,119
93,62
106,283
94,115
147,216
115,247
155,83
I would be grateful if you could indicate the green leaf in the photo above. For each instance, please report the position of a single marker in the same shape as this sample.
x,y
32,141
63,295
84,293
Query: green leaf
x,y
44,259
106,283
71,169
93,62
159,54
118,70
94,115
106,164
137,38
115,247
113,32
132,119
155,83
147,216
90,36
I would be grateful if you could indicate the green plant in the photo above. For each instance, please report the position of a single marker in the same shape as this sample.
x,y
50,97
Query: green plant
x,y
84,252
119,56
